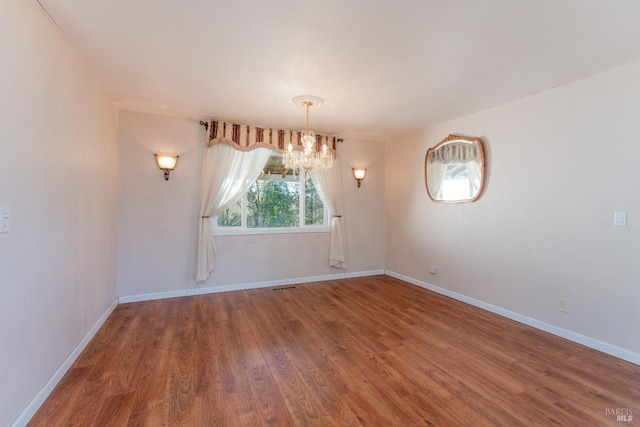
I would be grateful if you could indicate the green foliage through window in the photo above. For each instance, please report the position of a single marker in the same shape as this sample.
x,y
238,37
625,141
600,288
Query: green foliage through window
x,y
273,204
313,207
231,217
275,201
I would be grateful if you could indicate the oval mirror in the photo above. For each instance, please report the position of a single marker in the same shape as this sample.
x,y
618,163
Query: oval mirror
x,y
454,169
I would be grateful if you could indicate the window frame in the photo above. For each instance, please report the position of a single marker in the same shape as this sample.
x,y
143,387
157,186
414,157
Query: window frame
x,y
301,228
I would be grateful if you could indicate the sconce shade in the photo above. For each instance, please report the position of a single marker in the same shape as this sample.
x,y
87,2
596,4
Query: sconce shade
x,y
167,163
359,174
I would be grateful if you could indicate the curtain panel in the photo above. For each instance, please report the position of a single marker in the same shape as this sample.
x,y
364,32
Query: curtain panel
x,y
246,138
227,173
329,186
437,172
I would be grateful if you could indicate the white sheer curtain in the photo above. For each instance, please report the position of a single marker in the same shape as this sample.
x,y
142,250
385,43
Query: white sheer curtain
x,y
227,173
475,173
329,187
436,172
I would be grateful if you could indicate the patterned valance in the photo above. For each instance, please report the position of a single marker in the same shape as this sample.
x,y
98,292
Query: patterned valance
x,y
456,152
245,137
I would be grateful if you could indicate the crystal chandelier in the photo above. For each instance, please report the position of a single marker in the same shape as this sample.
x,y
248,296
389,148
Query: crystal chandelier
x,y
308,158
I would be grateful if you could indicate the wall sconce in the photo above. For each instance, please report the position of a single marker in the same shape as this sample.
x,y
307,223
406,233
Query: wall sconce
x,y
167,163
358,174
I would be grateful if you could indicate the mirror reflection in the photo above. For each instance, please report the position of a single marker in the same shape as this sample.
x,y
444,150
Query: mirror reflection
x,y
454,169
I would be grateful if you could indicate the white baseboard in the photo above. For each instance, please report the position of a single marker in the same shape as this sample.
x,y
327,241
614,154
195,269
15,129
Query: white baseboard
x,y
42,395
593,343
243,286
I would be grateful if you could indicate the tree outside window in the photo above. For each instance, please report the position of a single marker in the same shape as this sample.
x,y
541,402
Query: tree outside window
x,y
278,199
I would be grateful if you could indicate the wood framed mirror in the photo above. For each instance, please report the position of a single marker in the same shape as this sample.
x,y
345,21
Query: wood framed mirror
x,y
455,169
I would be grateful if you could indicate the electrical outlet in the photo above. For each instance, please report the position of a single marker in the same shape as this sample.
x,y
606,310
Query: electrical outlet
x,y
563,304
433,270
4,220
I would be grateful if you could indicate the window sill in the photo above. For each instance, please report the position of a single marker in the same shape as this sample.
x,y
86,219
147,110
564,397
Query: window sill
x,y
254,231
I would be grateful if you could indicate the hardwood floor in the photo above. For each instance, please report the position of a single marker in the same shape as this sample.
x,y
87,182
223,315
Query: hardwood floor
x,y
367,351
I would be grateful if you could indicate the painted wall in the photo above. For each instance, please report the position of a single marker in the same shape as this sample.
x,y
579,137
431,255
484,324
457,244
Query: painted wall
x,y
559,164
58,142
157,219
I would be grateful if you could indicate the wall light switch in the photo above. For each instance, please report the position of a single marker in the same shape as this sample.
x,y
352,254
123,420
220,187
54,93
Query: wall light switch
x,y
4,220
620,218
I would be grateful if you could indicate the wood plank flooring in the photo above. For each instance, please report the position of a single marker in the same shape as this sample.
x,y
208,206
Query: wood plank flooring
x,y
367,351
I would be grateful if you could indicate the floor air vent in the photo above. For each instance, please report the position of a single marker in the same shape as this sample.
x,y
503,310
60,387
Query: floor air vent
x,y
286,288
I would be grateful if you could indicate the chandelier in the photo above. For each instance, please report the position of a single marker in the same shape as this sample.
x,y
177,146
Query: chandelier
x,y
308,158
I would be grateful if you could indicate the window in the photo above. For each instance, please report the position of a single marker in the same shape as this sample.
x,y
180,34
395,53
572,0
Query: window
x,y
277,202
457,183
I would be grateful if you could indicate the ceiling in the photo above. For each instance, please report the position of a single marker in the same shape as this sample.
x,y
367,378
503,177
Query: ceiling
x,y
382,67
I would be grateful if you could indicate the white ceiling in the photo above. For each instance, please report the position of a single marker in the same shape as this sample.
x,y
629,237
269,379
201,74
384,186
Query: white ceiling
x,y
382,66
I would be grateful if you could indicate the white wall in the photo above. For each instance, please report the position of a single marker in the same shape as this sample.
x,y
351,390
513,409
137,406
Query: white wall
x,y
560,163
157,219
58,178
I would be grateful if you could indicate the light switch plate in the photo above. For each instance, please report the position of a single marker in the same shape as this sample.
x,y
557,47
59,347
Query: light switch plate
x,y
620,218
